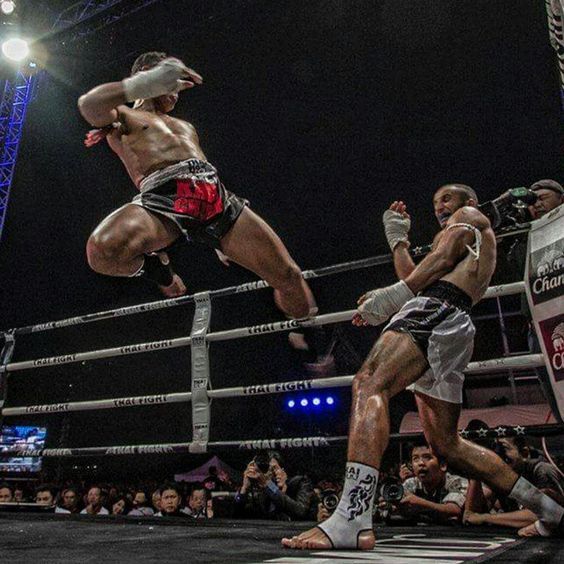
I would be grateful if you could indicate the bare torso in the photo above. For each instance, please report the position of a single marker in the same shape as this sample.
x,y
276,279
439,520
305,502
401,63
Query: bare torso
x,y
148,141
473,276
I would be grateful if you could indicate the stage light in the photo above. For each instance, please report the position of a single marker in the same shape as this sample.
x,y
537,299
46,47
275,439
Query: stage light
x,y
316,401
304,402
15,49
7,7
330,400
291,403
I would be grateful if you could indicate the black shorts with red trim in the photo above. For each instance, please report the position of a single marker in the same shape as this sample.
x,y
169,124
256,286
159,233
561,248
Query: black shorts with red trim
x,y
191,194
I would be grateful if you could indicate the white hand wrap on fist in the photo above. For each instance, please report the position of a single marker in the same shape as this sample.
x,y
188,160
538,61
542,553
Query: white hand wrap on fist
x,y
396,227
382,303
165,78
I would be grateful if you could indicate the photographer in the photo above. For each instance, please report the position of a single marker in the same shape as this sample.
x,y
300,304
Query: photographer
x,y
433,495
267,493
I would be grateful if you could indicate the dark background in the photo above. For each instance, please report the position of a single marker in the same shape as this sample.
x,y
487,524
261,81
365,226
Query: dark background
x,y
320,113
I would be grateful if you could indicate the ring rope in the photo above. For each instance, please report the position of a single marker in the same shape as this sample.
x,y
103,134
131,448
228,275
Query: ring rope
x,y
230,290
509,363
328,318
263,444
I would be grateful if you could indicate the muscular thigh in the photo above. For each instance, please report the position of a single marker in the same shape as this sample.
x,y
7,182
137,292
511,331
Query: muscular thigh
x,y
437,417
396,362
252,243
133,223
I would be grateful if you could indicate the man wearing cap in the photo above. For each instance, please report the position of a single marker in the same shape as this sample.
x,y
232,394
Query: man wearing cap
x,y
550,195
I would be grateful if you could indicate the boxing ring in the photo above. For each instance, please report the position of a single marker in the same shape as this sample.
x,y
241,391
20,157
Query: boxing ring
x,y
134,539
200,396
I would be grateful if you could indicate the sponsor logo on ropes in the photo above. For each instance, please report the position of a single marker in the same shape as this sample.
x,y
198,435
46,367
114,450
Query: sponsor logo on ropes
x,y
54,324
139,450
55,360
300,385
47,408
298,442
552,331
44,452
271,327
142,400
249,286
547,272
145,347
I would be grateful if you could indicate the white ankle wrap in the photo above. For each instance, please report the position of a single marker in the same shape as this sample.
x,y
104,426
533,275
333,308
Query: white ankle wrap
x,y
354,512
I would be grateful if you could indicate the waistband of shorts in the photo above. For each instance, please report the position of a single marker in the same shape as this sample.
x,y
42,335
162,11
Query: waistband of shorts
x,y
190,168
450,293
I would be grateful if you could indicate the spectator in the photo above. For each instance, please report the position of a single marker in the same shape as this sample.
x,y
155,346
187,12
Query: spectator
x,y
46,495
405,472
216,482
6,493
433,494
18,494
550,195
170,499
197,503
94,502
70,500
121,505
156,501
141,507
267,493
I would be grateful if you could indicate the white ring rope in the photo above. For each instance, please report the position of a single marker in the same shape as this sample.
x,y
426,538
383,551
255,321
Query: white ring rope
x,y
328,318
511,363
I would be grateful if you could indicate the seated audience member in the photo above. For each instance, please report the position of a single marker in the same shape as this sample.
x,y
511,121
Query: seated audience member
x,y
433,495
267,493
484,508
197,502
170,501
156,500
70,499
6,493
121,505
46,495
19,495
94,502
216,481
141,507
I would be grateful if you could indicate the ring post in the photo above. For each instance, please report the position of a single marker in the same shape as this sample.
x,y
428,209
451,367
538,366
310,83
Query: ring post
x,y
5,357
200,373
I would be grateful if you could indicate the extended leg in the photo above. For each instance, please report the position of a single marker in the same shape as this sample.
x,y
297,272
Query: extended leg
x,y
252,243
440,419
393,364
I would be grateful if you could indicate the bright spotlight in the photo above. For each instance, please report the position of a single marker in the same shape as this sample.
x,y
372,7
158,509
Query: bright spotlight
x,y
316,401
330,400
7,6
303,402
291,403
15,49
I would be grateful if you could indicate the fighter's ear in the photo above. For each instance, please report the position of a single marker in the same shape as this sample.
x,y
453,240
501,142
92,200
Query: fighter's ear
x,y
471,202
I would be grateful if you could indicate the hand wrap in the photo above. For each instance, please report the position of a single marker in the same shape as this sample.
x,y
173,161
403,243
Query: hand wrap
x,y
165,78
381,303
396,227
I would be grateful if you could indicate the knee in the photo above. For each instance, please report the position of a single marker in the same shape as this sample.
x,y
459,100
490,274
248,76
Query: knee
x,y
367,384
289,277
106,248
443,445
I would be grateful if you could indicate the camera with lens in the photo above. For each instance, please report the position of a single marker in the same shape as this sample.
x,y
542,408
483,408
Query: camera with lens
x,y
391,490
329,499
509,209
262,462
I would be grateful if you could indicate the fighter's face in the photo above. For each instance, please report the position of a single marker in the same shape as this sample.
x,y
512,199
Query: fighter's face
x,y
547,201
446,201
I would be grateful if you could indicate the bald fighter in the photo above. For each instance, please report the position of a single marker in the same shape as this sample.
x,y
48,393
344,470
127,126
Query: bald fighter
x,y
425,346
180,193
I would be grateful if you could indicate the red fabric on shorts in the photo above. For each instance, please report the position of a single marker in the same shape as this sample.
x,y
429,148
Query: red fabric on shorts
x,y
198,199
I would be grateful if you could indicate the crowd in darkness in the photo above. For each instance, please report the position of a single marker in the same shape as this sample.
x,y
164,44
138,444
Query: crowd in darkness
x,y
422,489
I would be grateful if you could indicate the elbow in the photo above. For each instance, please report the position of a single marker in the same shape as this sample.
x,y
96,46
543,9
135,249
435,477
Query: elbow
x,y
89,113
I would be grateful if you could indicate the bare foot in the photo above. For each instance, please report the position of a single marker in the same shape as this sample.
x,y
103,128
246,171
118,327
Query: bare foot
x,y
471,518
316,539
530,531
175,289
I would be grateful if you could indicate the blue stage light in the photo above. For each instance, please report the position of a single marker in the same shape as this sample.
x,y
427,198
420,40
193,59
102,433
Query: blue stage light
x,y
304,402
291,403
330,400
316,401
